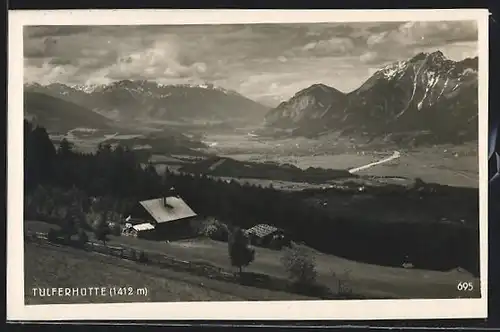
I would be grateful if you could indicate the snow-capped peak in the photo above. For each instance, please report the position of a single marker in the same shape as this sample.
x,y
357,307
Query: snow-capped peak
x,y
131,85
468,71
87,88
207,86
394,70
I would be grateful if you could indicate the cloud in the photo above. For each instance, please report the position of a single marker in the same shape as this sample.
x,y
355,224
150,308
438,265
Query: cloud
x,y
425,33
53,31
410,38
39,48
456,51
47,73
62,62
262,61
163,60
370,57
332,46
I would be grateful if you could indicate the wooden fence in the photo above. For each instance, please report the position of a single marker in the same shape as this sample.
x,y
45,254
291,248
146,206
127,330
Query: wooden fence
x,y
140,256
203,269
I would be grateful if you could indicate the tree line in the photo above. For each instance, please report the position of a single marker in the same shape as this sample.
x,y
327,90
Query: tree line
x,y
115,178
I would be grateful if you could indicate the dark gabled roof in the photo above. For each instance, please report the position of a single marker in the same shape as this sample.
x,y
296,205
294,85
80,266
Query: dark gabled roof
x,y
261,230
174,209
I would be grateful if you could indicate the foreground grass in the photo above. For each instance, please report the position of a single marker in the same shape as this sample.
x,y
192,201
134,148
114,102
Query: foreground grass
x,y
48,266
371,281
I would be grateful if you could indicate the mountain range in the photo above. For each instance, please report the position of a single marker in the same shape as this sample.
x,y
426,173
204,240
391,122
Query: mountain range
x,y
146,100
427,97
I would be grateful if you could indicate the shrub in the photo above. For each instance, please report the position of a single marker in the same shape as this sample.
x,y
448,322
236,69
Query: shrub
x,y
101,230
39,202
132,254
115,228
419,183
300,265
343,283
141,257
30,211
240,252
92,218
73,220
215,230
32,237
114,217
52,235
82,237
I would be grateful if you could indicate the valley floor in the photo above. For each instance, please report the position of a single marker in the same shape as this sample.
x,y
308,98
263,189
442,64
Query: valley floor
x,y
430,166
443,164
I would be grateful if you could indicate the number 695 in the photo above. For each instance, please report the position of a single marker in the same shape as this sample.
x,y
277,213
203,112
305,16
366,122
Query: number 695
x,y
465,286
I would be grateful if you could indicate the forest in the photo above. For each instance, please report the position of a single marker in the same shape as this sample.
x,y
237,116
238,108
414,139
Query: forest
x,y
60,181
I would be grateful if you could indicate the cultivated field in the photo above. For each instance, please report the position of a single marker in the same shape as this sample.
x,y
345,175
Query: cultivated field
x,y
449,165
365,279
446,164
442,165
430,166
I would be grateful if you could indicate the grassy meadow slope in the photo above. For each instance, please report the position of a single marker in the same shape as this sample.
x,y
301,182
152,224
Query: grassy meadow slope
x,y
370,281
50,266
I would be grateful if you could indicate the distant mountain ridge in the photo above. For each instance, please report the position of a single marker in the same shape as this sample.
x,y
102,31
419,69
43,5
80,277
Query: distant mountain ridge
x,y
129,100
428,94
60,115
308,105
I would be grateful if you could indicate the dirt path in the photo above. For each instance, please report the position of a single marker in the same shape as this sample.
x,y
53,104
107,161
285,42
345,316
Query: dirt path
x,y
395,155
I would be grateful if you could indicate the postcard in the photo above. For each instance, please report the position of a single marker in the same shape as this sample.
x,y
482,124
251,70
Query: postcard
x,y
247,164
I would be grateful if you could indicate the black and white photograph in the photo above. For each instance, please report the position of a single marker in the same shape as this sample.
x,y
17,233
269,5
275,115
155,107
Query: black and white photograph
x,y
243,163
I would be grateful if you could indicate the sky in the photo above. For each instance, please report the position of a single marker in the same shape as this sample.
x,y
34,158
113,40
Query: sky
x,y
265,62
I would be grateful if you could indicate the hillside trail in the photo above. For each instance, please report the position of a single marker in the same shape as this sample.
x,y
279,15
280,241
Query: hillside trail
x,y
395,155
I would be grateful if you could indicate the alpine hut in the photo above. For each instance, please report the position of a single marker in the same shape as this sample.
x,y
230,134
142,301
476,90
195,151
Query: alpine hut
x,y
164,218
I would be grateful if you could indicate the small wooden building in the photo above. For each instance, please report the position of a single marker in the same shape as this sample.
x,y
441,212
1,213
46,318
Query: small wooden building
x,y
143,231
165,218
267,236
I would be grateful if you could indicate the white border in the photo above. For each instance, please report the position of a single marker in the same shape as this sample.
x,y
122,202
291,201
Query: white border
x,y
309,310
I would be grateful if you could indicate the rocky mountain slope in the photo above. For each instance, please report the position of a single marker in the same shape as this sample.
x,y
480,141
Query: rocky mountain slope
x,y
308,107
427,97
146,100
